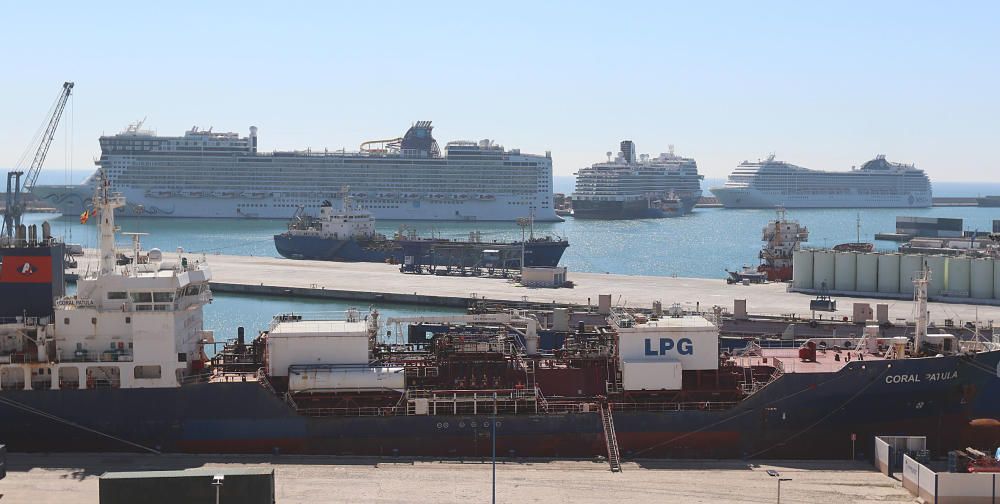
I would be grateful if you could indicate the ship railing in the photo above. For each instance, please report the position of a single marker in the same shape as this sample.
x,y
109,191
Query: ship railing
x,y
365,411
199,377
673,406
979,345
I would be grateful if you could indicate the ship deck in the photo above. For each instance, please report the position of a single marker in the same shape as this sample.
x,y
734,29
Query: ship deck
x,y
828,361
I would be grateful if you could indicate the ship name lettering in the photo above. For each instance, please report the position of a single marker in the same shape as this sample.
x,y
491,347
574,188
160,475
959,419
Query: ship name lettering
x,y
903,378
684,346
941,376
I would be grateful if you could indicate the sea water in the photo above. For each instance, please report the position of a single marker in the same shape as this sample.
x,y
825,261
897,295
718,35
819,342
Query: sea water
x,y
703,244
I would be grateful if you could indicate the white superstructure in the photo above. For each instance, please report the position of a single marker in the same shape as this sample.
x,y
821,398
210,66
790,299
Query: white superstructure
x,y
211,174
137,325
627,178
876,184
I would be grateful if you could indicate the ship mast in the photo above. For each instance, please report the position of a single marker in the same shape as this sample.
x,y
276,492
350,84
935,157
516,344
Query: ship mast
x,y
920,297
105,202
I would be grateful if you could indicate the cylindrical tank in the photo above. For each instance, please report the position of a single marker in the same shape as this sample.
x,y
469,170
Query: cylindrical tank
x,y
888,273
981,280
956,276
823,268
935,264
996,281
867,272
909,266
802,269
346,378
845,275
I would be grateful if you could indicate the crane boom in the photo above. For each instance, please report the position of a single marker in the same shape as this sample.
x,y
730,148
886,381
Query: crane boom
x,y
31,174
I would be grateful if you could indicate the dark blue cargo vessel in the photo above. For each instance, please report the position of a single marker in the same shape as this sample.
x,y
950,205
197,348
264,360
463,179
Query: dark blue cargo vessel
x,y
349,235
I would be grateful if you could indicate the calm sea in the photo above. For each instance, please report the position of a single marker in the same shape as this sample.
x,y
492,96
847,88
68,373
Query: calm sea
x,y
702,244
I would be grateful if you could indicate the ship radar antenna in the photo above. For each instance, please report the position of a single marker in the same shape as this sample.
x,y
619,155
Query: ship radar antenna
x,y
609,156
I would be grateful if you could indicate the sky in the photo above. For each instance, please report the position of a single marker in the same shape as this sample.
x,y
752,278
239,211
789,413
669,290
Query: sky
x,y
821,84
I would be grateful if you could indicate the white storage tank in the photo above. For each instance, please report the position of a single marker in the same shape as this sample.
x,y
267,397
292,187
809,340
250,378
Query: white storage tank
x,y
802,269
301,342
981,281
823,268
996,281
845,274
935,264
909,266
888,273
346,378
867,272
956,276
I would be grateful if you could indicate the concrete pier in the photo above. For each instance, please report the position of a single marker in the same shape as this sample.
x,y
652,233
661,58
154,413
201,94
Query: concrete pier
x,y
374,283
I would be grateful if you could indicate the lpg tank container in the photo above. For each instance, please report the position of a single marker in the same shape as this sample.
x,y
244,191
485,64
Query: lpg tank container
x,y
935,264
909,266
867,272
802,269
845,273
888,273
823,269
981,281
956,276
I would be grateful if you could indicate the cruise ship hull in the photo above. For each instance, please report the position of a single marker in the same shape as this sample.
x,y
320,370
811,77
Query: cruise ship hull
x,y
545,253
799,415
71,200
732,197
634,209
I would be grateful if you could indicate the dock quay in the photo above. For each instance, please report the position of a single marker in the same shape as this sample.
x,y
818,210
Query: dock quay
x,y
368,283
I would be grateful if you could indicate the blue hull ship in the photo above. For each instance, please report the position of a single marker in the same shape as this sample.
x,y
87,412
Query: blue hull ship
x,y
349,235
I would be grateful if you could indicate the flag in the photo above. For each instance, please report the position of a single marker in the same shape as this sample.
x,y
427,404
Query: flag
x,y
84,216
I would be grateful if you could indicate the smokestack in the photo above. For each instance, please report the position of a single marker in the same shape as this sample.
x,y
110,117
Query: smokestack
x,y
628,150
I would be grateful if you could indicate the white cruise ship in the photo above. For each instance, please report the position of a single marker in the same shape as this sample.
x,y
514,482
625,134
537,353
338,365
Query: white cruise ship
x,y
630,188
876,184
210,174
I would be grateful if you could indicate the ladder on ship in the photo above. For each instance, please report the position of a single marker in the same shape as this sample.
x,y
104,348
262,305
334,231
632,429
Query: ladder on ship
x,y
610,439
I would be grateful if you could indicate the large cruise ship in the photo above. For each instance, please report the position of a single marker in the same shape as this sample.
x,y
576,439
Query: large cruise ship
x,y
630,188
211,174
877,184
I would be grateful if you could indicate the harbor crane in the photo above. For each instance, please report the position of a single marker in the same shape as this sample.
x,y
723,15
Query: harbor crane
x,y
21,180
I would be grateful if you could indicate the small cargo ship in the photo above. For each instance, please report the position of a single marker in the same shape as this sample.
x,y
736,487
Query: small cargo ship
x,y
348,234
781,237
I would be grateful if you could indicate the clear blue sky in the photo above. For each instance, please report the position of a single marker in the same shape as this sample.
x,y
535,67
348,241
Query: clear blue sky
x,y
825,85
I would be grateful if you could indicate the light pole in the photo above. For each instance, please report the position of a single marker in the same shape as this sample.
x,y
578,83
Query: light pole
x,y
493,438
217,483
776,474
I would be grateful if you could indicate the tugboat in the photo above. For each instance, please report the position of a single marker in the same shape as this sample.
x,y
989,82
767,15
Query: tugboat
x,y
782,237
348,234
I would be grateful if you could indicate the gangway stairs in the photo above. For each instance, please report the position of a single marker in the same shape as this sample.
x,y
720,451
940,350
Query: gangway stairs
x,y
610,438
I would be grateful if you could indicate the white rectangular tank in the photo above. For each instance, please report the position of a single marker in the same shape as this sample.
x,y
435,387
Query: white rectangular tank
x,y
691,340
646,375
909,266
823,269
936,266
956,276
315,342
867,273
845,275
346,378
981,281
802,269
888,273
